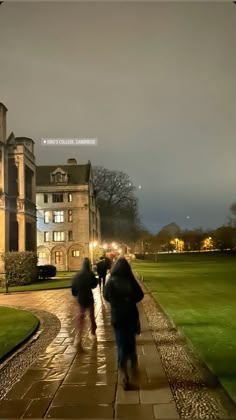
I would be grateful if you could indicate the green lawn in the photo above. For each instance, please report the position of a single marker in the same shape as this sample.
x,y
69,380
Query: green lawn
x,y
60,283
16,326
198,291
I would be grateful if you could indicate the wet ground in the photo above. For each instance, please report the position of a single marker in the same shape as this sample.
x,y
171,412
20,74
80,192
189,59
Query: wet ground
x,y
52,378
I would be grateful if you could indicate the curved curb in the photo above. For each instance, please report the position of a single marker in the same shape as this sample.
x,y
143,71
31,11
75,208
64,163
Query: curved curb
x,y
196,390
16,365
24,340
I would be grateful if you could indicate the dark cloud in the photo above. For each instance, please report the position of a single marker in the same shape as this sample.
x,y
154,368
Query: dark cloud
x,y
154,82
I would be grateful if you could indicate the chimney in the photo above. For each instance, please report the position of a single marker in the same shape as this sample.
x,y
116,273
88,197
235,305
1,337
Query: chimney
x,y
71,161
3,123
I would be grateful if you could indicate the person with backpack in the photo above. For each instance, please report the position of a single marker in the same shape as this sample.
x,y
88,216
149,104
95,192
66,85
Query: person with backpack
x,y
82,285
123,292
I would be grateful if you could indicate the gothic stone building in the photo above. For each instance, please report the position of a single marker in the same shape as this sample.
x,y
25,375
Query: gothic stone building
x,y
17,191
68,220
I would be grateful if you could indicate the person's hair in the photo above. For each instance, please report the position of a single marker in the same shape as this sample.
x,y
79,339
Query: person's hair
x,y
121,268
86,266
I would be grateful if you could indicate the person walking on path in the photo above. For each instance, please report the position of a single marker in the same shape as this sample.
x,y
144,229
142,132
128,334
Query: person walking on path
x,y
123,292
82,285
102,272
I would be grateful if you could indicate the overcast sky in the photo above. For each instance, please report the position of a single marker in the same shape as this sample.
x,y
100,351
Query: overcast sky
x,y
153,82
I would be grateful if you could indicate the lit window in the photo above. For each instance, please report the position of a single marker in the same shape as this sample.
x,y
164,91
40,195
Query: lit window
x,y
70,235
58,236
42,254
58,216
46,236
58,257
70,217
57,198
75,253
46,216
69,197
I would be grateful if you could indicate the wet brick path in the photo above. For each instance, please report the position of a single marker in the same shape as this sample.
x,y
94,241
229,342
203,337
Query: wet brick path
x,y
63,382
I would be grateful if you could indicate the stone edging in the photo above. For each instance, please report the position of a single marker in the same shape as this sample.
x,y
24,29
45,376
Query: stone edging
x,y
196,390
16,365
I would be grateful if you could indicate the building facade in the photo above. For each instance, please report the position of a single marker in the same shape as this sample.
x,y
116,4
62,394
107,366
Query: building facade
x,y
17,191
68,222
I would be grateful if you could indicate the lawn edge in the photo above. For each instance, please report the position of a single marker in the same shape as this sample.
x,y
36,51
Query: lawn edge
x,y
25,339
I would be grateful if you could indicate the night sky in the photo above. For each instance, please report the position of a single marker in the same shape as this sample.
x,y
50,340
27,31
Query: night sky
x,y
153,82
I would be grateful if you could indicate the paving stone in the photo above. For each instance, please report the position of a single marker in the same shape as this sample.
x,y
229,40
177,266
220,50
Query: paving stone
x,y
82,411
43,389
74,377
166,411
13,408
56,349
37,408
134,411
57,374
75,395
152,396
126,397
19,389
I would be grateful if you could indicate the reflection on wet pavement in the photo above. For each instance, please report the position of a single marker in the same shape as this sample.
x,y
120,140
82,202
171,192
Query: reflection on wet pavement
x,y
67,382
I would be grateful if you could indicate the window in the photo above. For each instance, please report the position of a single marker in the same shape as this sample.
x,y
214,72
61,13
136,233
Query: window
x,y
42,255
46,236
70,217
69,197
57,198
45,198
70,235
75,253
46,216
59,178
58,257
58,216
58,236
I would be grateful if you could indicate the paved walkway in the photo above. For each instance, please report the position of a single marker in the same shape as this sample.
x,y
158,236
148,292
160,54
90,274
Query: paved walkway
x,y
67,383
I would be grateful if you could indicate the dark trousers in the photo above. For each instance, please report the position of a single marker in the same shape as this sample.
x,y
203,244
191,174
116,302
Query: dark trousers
x,y
101,280
126,346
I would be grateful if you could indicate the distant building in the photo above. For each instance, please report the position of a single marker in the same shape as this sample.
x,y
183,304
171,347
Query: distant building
x,y
17,191
68,222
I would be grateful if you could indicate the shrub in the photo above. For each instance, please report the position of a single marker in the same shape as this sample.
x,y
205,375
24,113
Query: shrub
x,y
46,271
20,267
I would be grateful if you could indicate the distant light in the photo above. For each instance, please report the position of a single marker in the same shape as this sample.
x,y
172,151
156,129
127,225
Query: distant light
x,y
187,217
139,187
95,244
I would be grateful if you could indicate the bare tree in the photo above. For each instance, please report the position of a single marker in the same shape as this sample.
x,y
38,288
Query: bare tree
x,y
118,204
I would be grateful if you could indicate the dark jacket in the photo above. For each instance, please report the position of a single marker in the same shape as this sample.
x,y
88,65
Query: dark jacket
x,y
123,293
82,285
102,268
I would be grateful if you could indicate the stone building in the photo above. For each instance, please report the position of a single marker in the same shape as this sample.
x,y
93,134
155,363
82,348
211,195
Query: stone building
x,y
17,191
68,223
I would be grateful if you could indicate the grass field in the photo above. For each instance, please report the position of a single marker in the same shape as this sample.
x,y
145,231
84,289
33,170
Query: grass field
x,y
63,280
16,326
198,291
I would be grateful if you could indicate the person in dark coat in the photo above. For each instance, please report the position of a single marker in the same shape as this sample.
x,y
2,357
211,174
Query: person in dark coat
x,y
123,292
102,271
82,285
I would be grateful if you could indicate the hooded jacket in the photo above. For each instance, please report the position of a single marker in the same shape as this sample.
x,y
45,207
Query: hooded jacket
x,y
123,293
82,285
